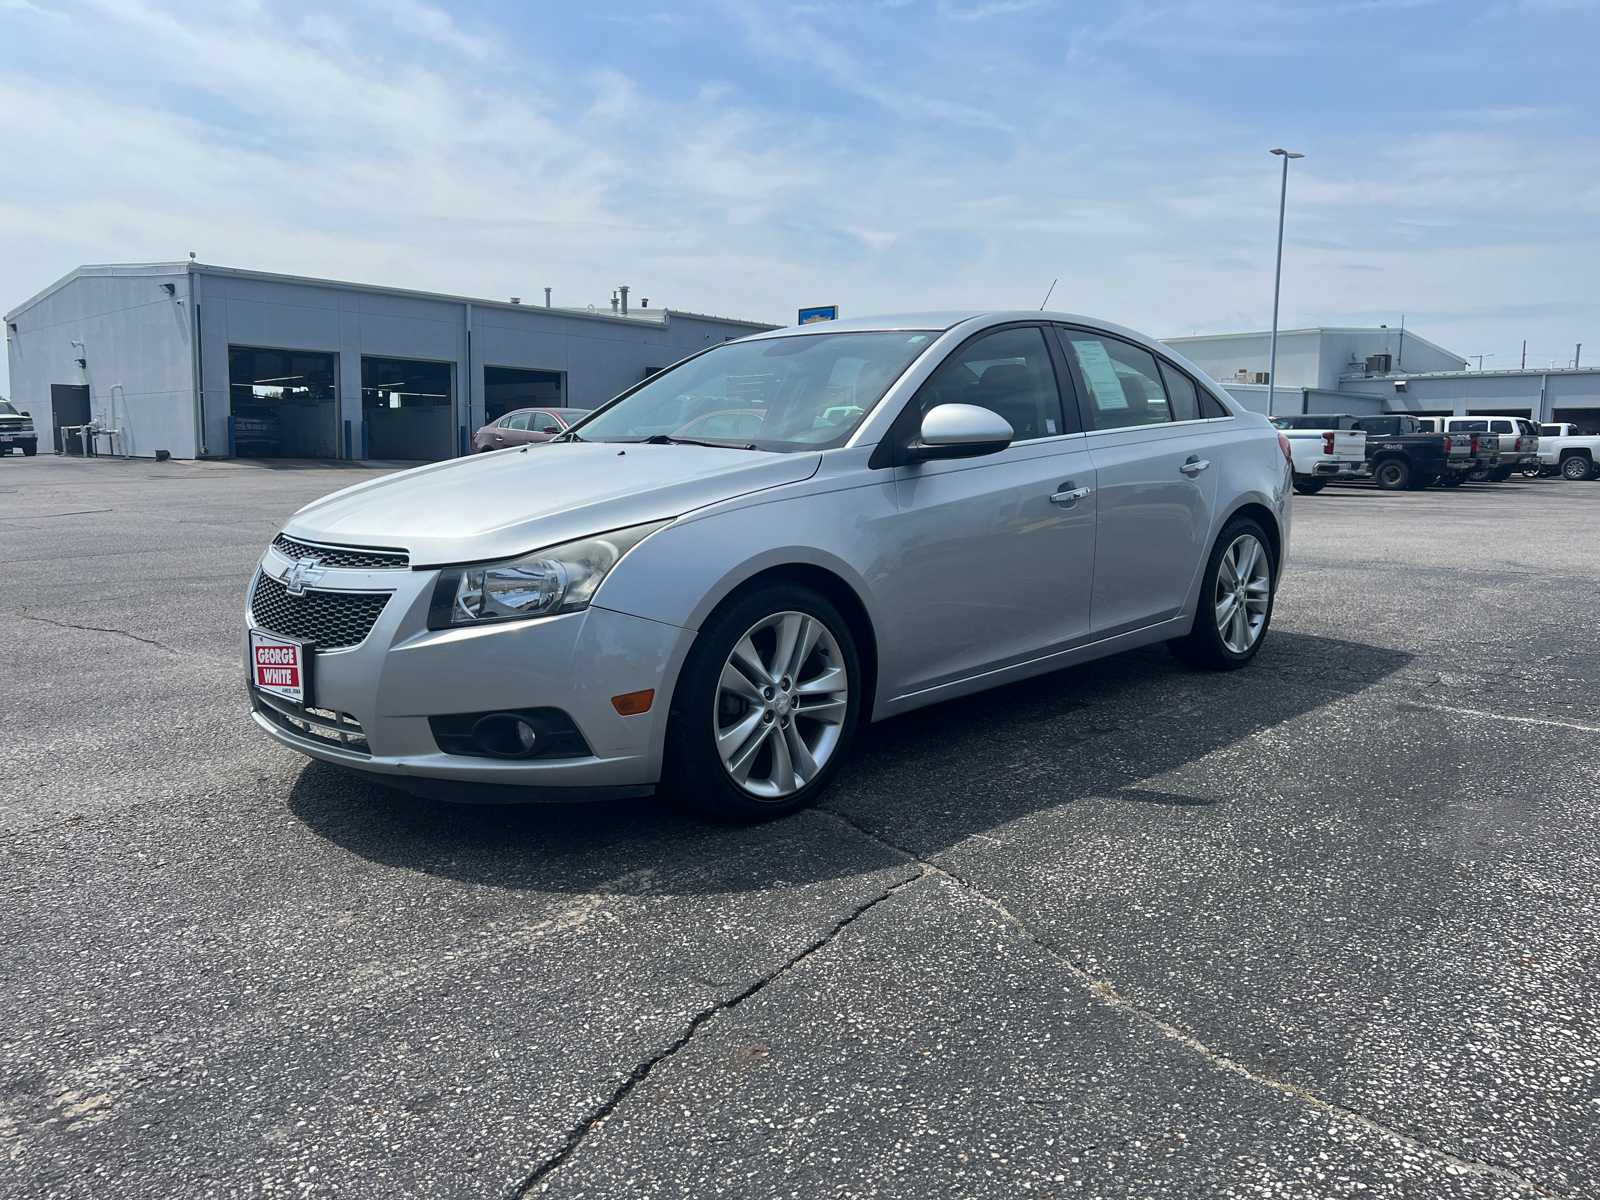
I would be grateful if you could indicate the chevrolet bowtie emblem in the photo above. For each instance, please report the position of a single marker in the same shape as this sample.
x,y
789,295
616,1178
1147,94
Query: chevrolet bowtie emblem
x,y
304,571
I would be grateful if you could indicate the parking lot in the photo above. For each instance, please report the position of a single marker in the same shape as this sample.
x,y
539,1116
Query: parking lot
x,y
1323,927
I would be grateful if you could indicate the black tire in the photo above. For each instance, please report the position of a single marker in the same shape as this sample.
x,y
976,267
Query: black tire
x,y
1478,474
1393,475
29,449
1499,474
693,771
1450,479
1204,646
1421,480
1307,486
1576,467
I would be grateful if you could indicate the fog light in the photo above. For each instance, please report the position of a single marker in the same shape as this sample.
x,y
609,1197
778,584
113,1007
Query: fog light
x,y
505,735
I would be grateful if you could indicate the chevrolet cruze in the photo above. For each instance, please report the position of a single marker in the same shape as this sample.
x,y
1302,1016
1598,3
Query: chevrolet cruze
x,y
710,582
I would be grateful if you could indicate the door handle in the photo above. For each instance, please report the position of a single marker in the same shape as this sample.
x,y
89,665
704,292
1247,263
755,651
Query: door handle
x,y
1069,496
1194,466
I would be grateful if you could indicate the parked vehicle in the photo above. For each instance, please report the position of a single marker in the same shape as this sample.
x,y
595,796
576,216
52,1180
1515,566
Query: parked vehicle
x,y
1518,439
257,431
1400,454
1564,451
1322,450
524,427
16,431
932,506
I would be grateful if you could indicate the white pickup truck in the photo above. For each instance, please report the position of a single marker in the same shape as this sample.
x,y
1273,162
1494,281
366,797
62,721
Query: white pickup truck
x,y
1564,451
1323,448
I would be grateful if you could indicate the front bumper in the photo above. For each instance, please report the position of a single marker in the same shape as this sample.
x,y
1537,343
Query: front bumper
x,y
402,673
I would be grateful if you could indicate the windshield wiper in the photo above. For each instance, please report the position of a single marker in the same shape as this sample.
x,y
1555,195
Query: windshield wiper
x,y
662,439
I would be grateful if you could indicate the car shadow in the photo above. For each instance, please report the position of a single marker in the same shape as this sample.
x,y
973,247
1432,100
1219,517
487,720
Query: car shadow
x,y
924,781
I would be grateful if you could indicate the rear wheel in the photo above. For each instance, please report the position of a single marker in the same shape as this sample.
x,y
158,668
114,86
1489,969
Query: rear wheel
x,y
1421,480
766,706
1499,474
1576,466
1393,475
1306,485
1451,479
1235,601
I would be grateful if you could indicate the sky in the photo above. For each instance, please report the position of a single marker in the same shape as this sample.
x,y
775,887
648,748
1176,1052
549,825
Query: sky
x,y
747,159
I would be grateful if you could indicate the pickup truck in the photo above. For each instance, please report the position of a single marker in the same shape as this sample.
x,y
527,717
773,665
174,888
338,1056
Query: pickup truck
x,y
1519,441
16,431
1564,451
1321,450
1400,454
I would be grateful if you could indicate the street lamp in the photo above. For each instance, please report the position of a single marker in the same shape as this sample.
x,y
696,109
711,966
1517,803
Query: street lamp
x,y
1277,278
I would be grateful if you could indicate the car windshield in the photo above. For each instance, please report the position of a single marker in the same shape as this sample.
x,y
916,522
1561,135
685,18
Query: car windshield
x,y
7,411
804,392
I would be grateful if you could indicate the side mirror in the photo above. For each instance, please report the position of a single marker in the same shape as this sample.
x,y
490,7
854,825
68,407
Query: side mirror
x,y
960,431
551,429
26,413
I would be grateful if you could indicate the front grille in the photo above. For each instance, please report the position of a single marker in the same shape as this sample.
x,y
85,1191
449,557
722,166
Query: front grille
x,y
332,620
339,730
353,557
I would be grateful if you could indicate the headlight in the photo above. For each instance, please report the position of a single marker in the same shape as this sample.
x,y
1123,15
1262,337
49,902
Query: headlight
x,y
558,580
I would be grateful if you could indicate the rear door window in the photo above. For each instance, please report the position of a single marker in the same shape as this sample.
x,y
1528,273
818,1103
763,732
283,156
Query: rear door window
x,y
1182,396
516,421
1501,427
1123,381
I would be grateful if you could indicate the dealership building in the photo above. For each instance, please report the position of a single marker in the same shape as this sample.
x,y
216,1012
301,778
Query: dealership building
x,y
213,362
1362,371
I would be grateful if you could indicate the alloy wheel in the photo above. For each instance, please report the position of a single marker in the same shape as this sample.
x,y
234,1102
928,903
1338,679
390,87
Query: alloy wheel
x,y
1244,591
781,704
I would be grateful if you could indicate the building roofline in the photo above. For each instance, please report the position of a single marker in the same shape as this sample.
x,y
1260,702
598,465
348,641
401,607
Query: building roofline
x,y
1509,373
104,270
1318,329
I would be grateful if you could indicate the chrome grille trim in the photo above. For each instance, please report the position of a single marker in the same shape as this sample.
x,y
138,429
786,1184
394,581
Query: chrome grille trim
x,y
328,619
321,728
355,558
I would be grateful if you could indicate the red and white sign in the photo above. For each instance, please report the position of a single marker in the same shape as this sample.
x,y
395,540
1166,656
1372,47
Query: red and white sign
x,y
280,666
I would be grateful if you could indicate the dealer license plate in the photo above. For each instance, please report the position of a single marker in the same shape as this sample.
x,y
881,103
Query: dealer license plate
x,y
281,666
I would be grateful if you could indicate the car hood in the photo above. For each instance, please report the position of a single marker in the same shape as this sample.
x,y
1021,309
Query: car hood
x,y
512,502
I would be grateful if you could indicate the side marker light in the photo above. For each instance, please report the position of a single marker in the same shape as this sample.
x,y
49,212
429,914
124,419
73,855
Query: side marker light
x,y
634,703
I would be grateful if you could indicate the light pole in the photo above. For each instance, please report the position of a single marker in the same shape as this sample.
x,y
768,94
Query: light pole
x,y
1277,278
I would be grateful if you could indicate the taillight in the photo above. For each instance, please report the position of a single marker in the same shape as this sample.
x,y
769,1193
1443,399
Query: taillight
x,y
1518,448
1449,444
1327,443
1288,451
1474,443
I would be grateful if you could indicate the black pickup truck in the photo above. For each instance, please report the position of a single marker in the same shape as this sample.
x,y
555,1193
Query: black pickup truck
x,y
1399,453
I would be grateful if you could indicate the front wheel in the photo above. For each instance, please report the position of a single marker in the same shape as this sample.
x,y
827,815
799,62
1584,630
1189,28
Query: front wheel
x,y
1576,467
766,706
1393,475
1235,601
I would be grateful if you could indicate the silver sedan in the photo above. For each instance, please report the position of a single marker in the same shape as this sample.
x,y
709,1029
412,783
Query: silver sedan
x,y
906,510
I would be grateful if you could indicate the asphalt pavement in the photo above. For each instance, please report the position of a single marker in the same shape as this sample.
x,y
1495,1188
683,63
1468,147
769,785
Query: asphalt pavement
x,y
1323,927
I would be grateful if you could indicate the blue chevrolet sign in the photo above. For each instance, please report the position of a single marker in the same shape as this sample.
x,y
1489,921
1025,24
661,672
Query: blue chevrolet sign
x,y
829,313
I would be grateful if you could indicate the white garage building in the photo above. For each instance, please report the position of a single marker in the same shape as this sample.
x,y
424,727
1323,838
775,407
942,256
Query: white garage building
x,y
206,361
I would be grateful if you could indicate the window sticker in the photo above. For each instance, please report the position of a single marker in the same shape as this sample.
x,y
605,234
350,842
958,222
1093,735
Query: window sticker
x,y
1102,374
1049,424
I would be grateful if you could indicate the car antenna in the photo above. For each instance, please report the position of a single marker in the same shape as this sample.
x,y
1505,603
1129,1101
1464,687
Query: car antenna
x,y
1046,299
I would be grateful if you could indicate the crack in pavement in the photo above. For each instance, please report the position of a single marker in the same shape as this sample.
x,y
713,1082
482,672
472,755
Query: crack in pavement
x,y
99,629
642,1071
1109,995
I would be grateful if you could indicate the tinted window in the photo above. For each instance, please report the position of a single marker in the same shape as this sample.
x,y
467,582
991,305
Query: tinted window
x,y
1549,431
807,391
1307,422
1501,427
1181,394
1124,382
7,411
1382,426
1210,406
516,421
539,420
1469,427
1009,373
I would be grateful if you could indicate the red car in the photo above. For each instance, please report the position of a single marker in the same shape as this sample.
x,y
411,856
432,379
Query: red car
x,y
524,426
